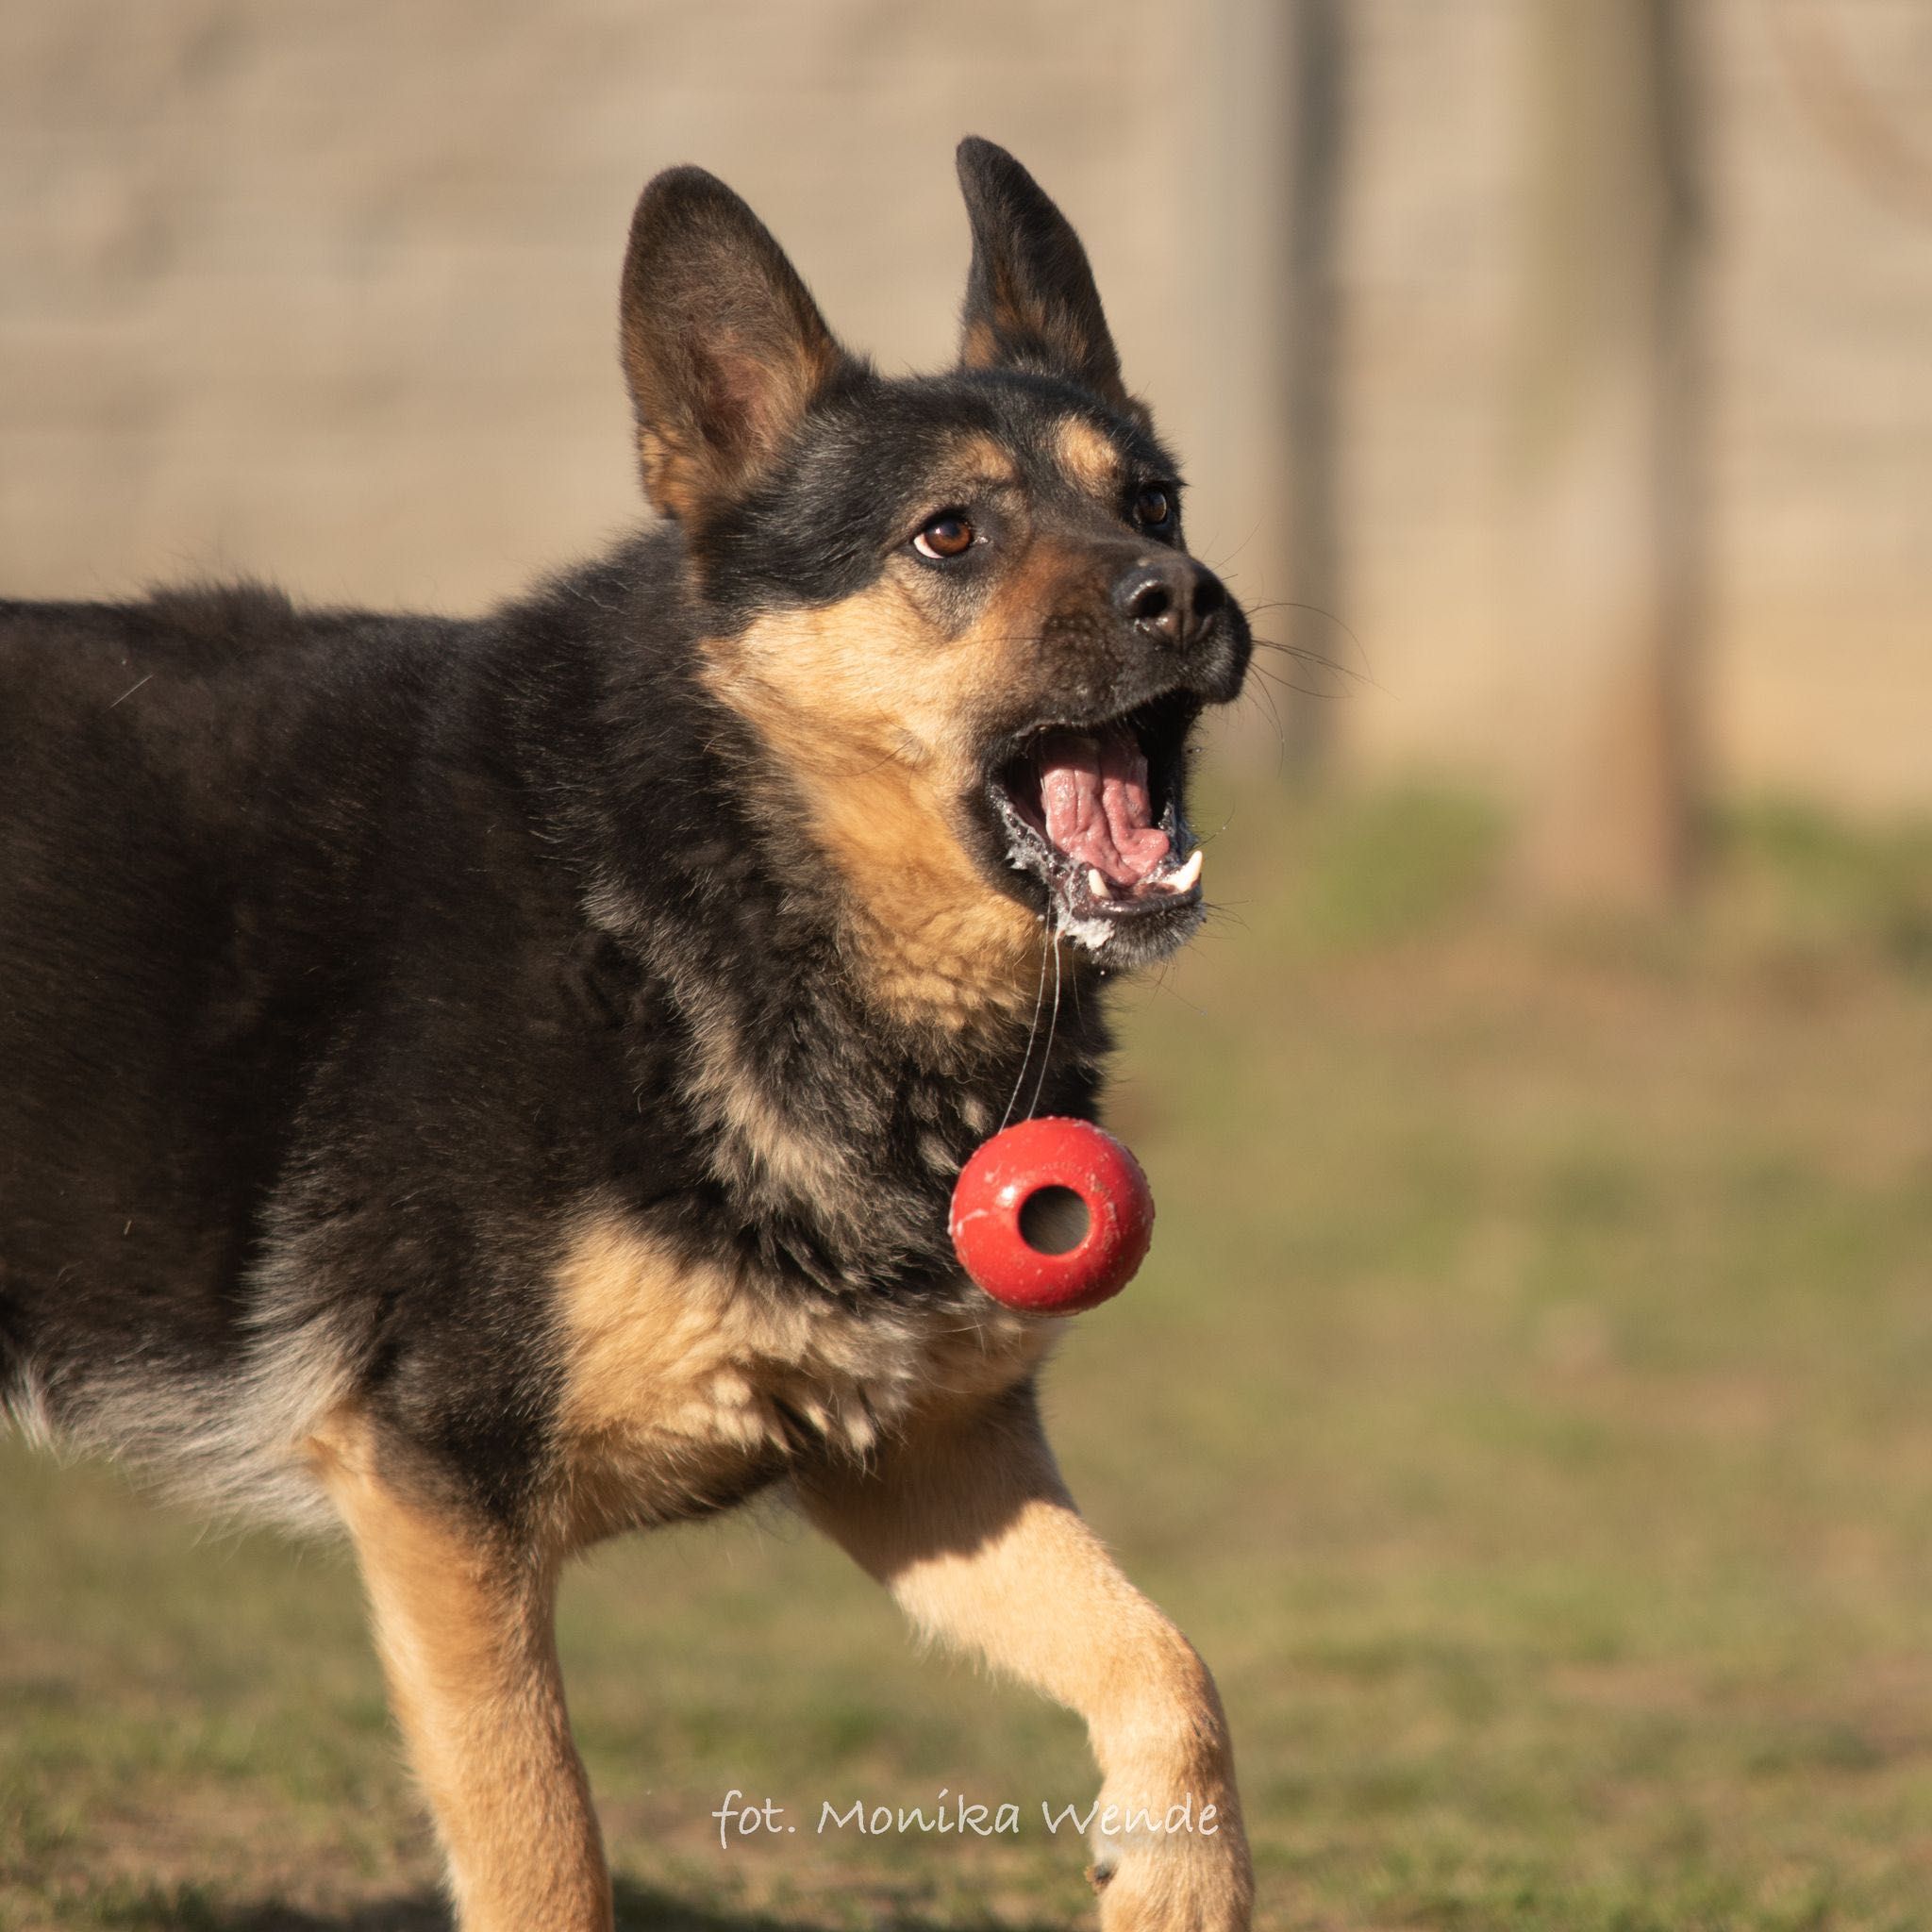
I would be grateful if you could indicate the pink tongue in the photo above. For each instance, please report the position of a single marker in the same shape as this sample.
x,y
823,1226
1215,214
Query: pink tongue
x,y
1094,794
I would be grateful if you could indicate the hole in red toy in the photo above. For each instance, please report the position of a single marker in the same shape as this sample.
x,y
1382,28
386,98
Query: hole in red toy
x,y
1054,1221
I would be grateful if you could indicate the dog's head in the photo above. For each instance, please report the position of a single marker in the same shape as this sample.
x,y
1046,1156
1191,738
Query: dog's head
x,y
960,608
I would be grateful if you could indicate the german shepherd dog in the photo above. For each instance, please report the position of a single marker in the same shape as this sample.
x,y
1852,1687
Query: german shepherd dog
x,y
492,1084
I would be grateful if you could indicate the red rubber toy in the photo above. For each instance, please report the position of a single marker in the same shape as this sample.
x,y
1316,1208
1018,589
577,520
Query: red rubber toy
x,y
1051,1216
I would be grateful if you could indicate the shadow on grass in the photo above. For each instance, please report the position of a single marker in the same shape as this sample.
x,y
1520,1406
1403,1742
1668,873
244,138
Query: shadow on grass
x,y
640,1909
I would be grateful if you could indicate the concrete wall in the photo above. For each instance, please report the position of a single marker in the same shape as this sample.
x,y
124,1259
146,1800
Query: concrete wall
x,y
324,290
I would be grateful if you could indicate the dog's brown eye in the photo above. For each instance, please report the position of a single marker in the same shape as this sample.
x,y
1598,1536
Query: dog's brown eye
x,y
945,536
1153,505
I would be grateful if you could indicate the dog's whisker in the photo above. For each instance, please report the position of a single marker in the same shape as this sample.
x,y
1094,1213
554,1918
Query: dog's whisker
x,y
1261,694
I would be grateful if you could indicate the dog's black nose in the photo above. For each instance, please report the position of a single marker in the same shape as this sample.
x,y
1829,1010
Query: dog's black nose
x,y
1168,598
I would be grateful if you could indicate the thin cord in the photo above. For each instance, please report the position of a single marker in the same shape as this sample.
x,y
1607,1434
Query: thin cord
x,y
1039,1001
1053,1021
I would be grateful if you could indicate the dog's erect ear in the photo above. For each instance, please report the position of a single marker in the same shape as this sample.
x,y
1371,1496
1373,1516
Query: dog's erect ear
x,y
723,348
1031,299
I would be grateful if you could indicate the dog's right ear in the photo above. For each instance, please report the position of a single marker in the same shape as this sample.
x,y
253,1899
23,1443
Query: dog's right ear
x,y
723,348
1031,299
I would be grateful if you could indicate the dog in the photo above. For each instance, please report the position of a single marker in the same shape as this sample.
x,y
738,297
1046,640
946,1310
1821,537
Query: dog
x,y
488,1085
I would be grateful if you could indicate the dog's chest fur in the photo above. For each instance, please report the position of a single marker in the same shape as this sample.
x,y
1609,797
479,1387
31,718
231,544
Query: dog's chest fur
x,y
694,1364
682,1383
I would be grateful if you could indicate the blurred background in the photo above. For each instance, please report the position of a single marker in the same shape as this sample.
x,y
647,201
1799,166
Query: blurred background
x,y
1542,348
1525,1406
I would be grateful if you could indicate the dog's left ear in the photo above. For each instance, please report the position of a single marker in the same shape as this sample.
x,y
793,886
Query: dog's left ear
x,y
1031,299
724,347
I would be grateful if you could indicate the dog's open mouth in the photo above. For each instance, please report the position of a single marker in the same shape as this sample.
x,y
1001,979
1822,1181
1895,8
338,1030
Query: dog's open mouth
x,y
1093,811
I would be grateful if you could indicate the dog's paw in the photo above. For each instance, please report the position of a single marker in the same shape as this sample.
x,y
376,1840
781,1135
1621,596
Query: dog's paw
x,y
1184,1870
1176,1892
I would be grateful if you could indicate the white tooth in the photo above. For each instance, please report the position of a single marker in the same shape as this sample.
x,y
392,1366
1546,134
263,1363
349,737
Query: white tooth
x,y
1096,883
1183,880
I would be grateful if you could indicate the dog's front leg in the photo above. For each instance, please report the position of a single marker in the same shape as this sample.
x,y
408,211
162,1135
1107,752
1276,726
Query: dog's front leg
x,y
969,1525
464,1627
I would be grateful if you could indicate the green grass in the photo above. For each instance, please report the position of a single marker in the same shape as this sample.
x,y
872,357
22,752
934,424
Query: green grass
x,y
1524,1408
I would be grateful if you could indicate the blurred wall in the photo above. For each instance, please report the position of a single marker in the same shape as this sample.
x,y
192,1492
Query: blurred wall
x,y
1818,288
326,292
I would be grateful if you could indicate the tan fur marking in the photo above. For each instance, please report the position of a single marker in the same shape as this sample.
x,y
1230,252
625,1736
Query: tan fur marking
x,y
687,475
757,1146
873,712
968,1523
464,1628
980,346
983,462
1089,457
677,1379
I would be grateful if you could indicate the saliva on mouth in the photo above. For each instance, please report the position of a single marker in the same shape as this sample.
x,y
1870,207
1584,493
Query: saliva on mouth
x,y
1093,811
